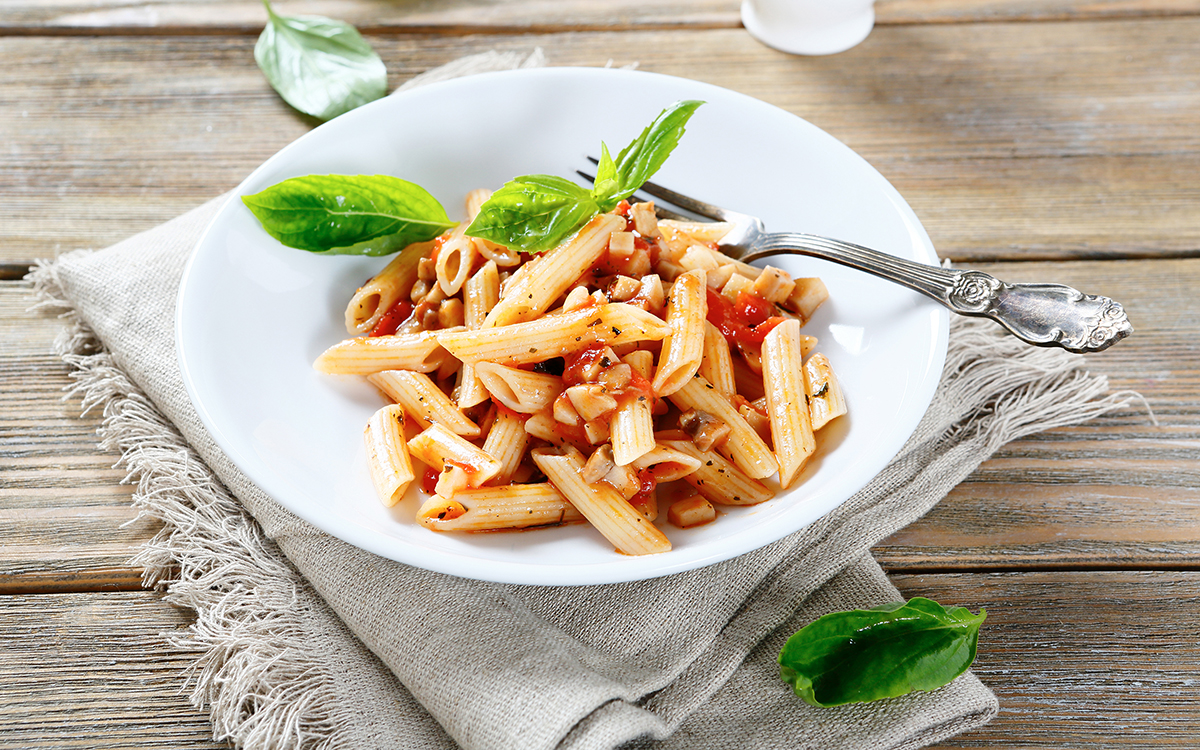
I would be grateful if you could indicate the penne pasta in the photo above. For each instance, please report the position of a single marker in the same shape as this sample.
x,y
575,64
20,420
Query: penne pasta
x,y
422,399
612,515
419,352
506,441
743,446
787,400
718,479
437,447
825,393
495,508
385,289
387,454
520,390
480,295
632,429
555,273
554,335
601,348
716,364
683,348
666,464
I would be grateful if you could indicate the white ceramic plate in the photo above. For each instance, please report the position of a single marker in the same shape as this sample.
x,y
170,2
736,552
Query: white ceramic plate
x,y
253,315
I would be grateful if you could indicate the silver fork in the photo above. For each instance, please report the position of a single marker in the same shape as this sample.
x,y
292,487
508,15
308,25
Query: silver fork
x,y
1041,314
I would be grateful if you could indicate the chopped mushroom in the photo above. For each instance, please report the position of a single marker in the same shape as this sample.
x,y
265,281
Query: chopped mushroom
x,y
705,430
598,466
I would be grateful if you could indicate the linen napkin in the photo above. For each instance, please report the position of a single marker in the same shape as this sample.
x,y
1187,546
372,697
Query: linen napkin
x,y
304,641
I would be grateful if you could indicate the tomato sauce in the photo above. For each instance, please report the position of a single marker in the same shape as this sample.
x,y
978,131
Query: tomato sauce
x,y
392,319
645,495
747,321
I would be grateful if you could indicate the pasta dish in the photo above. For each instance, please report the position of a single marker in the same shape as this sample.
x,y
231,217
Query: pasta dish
x,y
632,369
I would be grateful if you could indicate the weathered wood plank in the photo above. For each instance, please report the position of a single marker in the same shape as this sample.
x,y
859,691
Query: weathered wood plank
x,y
91,670
1097,660
1011,141
1102,659
379,16
1043,501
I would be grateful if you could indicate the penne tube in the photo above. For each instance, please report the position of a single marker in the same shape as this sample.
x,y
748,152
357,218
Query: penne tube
x,y
787,400
385,289
519,506
718,479
480,295
667,464
743,445
422,399
439,448
825,401
364,355
717,363
806,297
683,348
506,441
554,335
554,273
454,262
387,454
631,429
520,390
612,515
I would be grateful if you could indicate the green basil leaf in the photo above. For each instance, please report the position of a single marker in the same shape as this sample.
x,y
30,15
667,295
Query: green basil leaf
x,y
890,650
320,66
605,183
348,213
534,213
638,161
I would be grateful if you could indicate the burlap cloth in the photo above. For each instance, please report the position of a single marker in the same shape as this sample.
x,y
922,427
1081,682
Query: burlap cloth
x,y
302,640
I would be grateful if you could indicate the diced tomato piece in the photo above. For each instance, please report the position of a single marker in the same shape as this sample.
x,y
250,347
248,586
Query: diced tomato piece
x,y
429,480
748,321
392,319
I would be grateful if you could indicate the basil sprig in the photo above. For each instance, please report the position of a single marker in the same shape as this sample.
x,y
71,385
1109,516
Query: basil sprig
x,y
537,212
348,214
320,66
883,652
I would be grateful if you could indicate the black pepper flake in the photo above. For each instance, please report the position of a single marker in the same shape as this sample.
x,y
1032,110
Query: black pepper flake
x,y
823,391
708,464
737,499
641,398
605,362
616,331
533,350
708,386
595,322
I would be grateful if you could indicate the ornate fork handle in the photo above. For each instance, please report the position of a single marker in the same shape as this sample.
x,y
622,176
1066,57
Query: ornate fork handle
x,y
1042,314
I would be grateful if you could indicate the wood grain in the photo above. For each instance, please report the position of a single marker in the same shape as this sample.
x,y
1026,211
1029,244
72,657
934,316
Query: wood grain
x,y
91,670
459,16
1095,660
1010,141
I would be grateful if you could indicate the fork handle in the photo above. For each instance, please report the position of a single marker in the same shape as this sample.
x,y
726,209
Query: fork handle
x,y
1041,314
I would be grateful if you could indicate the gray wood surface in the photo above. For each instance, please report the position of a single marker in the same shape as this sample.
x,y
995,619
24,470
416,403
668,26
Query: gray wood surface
x,y
1043,139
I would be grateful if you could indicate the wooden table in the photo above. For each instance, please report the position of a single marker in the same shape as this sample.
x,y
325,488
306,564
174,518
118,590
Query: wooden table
x,y
1036,139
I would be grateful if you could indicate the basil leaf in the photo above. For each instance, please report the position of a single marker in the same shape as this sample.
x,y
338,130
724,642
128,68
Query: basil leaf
x,y
320,66
348,213
890,650
605,183
534,213
638,161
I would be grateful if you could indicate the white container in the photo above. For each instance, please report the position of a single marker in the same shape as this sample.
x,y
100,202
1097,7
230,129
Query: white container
x,y
809,27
